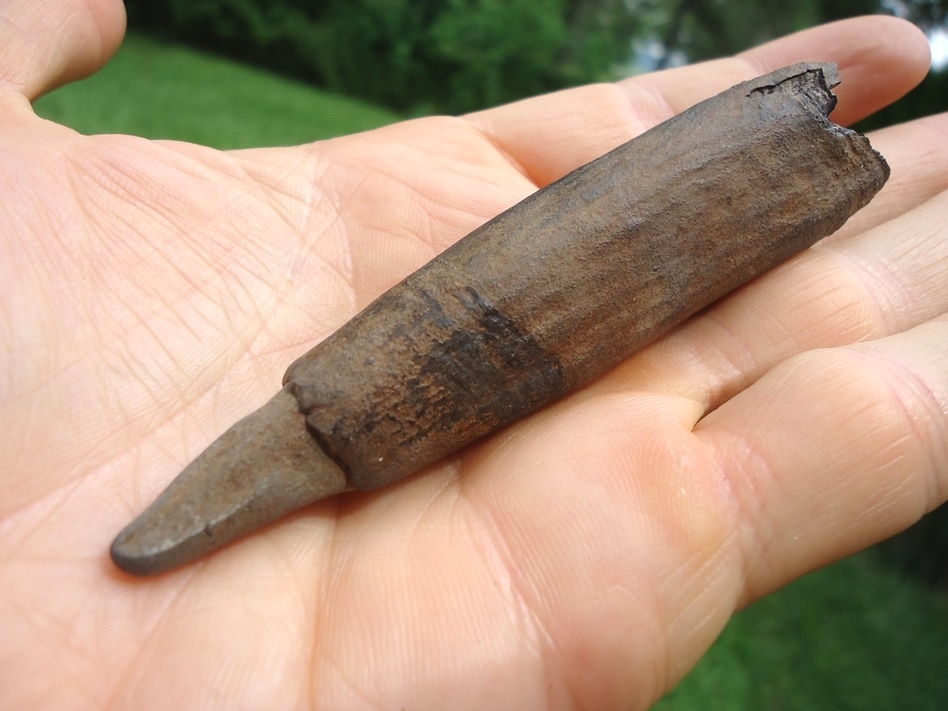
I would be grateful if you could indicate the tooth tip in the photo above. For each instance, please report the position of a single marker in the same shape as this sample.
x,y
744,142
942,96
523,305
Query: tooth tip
x,y
148,545
131,557
262,468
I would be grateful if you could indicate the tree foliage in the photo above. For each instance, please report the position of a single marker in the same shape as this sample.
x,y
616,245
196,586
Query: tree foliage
x,y
457,55
699,29
445,55
925,13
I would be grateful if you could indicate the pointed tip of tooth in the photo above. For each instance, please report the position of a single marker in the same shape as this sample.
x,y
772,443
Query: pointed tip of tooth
x,y
131,556
264,467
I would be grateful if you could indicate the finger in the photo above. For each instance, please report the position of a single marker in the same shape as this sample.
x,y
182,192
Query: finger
x,y
917,153
834,451
880,58
44,44
865,287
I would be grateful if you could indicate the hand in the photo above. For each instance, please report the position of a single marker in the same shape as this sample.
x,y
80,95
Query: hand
x,y
154,292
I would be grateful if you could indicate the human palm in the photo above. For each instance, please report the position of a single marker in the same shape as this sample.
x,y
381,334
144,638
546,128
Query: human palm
x,y
586,557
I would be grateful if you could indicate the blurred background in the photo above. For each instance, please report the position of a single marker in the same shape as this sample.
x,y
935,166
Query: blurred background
x,y
424,56
868,633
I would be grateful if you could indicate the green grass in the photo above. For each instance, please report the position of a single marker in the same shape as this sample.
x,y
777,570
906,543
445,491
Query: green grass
x,y
855,636
155,90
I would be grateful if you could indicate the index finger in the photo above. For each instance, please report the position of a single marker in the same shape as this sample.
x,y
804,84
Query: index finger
x,y
880,59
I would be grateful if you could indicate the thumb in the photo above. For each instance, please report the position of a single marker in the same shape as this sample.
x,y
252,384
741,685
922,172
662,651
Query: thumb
x,y
47,43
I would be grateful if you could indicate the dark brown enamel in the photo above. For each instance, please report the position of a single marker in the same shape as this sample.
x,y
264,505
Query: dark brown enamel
x,y
574,279
539,301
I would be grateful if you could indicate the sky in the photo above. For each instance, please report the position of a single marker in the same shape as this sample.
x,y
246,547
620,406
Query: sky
x,y
939,42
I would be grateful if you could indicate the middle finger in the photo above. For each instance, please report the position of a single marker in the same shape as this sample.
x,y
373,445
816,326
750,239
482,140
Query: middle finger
x,y
863,285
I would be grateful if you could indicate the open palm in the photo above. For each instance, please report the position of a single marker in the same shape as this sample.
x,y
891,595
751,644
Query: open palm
x,y
154,292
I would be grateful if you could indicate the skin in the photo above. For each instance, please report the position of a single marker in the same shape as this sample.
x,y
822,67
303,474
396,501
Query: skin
x,y
153,292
